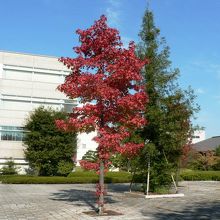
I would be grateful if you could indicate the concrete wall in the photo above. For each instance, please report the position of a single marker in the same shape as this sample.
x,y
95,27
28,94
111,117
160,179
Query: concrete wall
x,y
26,82
84,144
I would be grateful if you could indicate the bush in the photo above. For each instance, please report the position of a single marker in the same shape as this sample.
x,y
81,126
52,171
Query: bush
x,y
200,175
83,174
76,177
216,166
9,168
46,180
110,177
64,167
46,145
118,177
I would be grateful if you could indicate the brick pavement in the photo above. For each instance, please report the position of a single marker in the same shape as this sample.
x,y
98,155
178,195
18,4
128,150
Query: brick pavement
x,y
41,202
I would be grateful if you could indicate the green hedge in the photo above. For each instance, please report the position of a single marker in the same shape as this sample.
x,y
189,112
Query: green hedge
x,y
46,180
118,177
200,175
74,178
110,177
83,174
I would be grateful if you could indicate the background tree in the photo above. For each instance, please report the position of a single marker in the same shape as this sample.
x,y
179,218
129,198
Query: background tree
x,y
217,154
9,168
103,76
204,161
91,156
48,149
169,110
217,151
208,160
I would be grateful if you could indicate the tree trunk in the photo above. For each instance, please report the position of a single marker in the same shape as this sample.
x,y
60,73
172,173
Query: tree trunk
x,y
101,185
178,173
174,183
132,179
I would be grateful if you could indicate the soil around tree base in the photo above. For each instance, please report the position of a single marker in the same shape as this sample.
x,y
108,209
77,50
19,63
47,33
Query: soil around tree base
x,y
105,213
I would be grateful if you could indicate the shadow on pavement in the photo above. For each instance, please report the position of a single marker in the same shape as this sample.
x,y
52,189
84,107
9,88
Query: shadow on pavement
x,y
205,210
117,187
80,197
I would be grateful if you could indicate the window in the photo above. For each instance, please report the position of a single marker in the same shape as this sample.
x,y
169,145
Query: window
x,y
84,146
12,133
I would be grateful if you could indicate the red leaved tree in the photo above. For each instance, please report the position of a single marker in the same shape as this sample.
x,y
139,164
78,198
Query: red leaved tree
x,y
105,79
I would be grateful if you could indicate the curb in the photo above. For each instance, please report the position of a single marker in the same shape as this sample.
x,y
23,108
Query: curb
x,y
164,196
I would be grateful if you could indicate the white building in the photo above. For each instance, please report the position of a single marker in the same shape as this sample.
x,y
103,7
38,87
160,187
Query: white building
x,y
198,135
26,82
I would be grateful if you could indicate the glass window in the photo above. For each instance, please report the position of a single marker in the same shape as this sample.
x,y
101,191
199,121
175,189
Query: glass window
x,y
11,133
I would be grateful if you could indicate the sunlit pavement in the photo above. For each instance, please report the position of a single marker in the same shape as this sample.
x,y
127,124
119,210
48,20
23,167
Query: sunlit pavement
x,y
69,201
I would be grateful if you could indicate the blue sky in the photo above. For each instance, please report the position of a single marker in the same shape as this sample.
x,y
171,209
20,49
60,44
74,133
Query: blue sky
x,y
191,28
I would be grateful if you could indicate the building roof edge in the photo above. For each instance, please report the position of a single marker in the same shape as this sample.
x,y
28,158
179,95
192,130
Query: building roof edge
x,y
30,54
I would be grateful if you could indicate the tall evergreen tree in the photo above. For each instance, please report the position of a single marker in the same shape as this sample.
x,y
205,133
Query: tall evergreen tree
x,y
169,110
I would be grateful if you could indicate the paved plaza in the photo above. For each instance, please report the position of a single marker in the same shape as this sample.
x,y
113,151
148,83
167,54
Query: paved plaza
x,y
201,201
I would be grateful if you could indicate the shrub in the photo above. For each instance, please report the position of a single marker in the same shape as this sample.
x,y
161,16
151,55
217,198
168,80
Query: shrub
x,y
46,180
46,145
110,177
118,177
9,168
76,177
64,167
200,175
83,174
217,165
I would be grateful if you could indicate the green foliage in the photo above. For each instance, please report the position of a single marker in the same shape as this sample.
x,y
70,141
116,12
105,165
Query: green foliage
x,y
46,145
205,161
118,177
111,177
200,175
76,177
9,168
216,166
217,151
168,111
83,174
64,167
47,180
90,156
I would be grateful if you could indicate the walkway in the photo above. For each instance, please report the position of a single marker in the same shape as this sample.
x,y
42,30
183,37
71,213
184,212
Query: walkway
x,y
201,201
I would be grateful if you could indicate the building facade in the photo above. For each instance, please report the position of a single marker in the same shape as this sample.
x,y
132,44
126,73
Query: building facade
x,y
198,135
27,82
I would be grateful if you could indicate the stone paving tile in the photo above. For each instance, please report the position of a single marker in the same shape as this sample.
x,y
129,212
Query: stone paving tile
x,y
42,202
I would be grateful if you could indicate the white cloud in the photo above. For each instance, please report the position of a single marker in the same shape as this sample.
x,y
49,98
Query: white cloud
x,y
113,12
200,91
113,17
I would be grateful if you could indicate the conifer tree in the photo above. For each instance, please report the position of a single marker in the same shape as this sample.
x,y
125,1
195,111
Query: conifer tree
x,y
48,149
169,110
